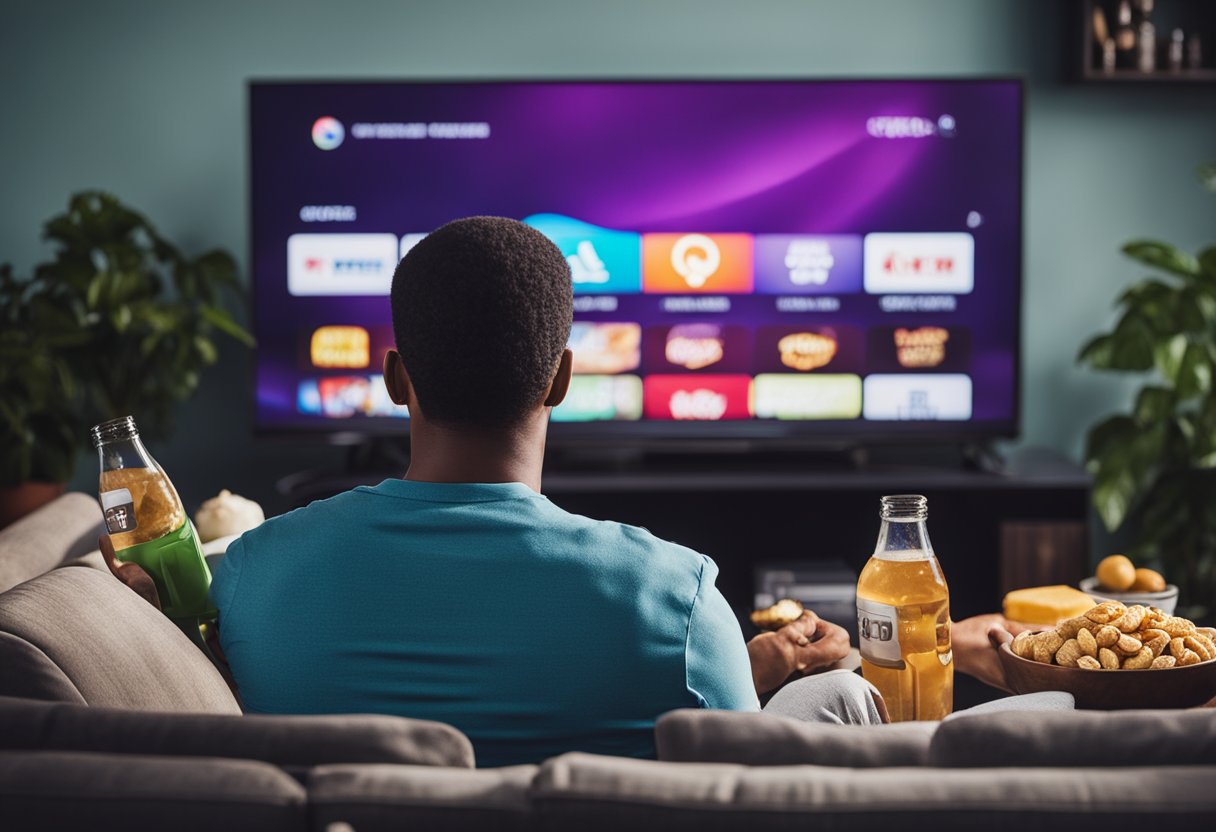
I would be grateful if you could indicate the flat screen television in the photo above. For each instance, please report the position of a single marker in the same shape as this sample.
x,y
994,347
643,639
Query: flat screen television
x,y
807,260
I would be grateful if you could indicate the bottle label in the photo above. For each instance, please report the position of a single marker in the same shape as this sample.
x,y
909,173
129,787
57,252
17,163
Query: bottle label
x,y
878,631
119,510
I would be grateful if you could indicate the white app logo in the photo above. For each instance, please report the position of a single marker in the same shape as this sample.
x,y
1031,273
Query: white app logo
x,y
919,263
919,397
809,261
586,265
341,264
695,258
697,404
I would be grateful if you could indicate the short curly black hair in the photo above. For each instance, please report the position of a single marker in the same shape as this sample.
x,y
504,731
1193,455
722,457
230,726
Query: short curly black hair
x,y
482,309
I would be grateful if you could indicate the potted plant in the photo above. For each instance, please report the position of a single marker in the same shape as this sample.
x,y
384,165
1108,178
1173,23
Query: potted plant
x,y
119,322
1154,467
39,423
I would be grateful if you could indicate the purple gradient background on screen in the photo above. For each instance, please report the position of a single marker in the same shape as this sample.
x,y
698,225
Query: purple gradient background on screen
x,y
758,157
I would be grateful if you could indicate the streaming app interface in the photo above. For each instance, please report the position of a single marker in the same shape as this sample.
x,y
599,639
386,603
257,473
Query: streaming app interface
x,y
839,253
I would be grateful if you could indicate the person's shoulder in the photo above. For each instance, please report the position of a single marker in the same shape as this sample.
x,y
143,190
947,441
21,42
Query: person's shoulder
x,y
319,517
638,546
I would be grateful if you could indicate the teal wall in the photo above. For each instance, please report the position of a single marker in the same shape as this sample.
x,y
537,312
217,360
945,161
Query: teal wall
x,y
147,99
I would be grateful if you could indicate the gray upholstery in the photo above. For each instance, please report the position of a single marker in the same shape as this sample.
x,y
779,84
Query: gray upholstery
x,y
287,741
757,739
63,529
114,648
1079,738
372,798
589,793
52,790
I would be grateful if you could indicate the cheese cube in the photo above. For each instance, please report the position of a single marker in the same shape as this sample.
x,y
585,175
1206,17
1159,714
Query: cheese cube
x,y
1046,604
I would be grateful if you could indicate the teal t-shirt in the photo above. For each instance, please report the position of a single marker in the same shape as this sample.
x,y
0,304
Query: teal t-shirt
x,y
532,630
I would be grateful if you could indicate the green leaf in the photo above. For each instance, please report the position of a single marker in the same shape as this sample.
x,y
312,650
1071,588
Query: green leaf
x,y
1113,494
205,349
221,320
1207,262
1154,404
1168,355
1195,373
1114,431
1162,256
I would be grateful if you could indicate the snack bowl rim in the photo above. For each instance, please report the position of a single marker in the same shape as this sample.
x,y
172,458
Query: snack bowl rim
x,y
1091,587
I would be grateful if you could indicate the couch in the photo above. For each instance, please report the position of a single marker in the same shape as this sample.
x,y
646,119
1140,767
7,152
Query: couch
x,y
111,719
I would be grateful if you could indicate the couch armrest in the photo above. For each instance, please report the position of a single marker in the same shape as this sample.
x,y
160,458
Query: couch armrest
x,y
294,742
68,790
63,529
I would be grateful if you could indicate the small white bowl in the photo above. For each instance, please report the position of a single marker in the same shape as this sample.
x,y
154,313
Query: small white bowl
x,y
1166,600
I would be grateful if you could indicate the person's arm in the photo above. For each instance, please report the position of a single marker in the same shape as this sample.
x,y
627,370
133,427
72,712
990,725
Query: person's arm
x,y
797,649
975,642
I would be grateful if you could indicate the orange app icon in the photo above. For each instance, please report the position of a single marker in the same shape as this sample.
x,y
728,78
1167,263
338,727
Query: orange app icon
x,y
700,263
340,346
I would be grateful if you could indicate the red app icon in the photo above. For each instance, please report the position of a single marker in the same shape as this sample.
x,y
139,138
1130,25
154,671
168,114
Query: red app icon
x,y
698,398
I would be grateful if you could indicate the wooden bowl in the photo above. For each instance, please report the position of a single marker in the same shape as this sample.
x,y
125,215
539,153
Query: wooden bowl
x,y
1114,690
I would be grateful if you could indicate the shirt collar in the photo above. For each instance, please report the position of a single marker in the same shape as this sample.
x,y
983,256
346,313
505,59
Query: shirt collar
x,y
454,492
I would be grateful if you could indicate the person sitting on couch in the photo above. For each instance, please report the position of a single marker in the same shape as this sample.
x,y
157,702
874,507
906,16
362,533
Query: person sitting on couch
x,y
459,593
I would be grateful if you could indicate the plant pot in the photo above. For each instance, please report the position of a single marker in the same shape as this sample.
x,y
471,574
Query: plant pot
x,y
16,501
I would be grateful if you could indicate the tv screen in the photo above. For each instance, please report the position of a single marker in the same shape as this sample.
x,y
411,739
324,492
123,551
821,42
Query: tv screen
x,y
781,259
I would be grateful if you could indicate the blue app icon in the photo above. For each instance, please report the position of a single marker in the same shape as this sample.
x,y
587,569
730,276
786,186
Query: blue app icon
x,y
602,261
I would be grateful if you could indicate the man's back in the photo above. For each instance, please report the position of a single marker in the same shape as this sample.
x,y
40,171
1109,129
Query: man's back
x,y
485,606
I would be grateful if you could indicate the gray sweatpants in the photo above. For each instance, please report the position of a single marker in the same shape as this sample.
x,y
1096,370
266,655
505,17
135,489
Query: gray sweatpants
x,y
845,698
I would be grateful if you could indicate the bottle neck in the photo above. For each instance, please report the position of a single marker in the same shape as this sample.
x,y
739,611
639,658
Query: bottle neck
x,y
128,452
903,540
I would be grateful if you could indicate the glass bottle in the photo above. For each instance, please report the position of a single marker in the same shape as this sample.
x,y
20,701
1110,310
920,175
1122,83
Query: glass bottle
x,y
903,616
1146,39
148,525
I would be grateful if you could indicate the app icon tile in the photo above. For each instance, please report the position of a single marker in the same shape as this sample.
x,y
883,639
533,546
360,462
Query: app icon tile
x,y
935,263
794,397
699,398
346,347
918,397
790,264
810,348
697,263
605,348
601,398
698,347
894,349
602,260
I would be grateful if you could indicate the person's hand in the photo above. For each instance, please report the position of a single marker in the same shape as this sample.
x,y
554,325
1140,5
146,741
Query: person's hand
x,y
975,642
804,646
131,574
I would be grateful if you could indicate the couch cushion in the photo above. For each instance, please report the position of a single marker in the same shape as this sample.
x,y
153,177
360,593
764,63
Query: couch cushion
x,y
63,529
113,647
287,741
591,793
381,797
1078,738
51,790
758,739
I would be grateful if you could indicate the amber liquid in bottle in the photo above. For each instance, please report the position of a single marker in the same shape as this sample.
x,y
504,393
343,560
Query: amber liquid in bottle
x,y
903,615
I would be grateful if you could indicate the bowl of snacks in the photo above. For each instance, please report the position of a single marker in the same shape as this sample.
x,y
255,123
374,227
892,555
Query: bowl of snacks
x,y
1116,657
1118,579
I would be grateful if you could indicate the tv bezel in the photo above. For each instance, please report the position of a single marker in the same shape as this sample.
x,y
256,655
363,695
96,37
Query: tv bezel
x,y
810,433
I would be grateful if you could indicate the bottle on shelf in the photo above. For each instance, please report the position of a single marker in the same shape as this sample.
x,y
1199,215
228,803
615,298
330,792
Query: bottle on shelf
x,y
903,616
1146,39
1125,36
1177,39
